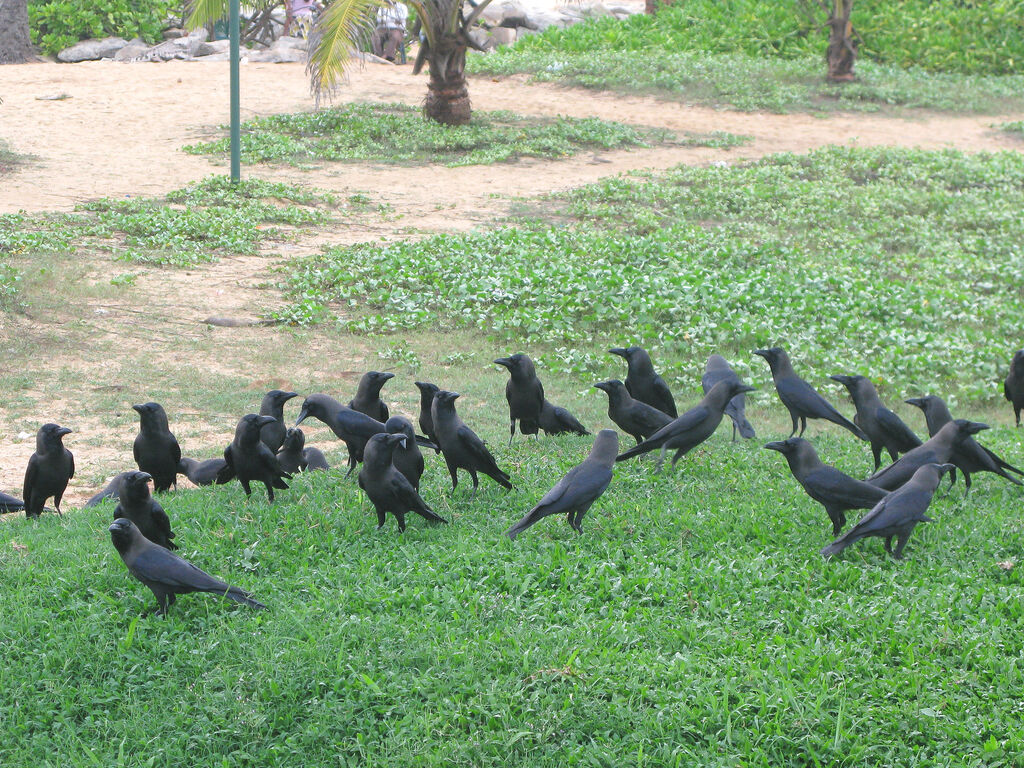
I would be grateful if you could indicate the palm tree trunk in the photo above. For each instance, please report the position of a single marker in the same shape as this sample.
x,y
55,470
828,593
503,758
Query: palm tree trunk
x,y
842,46
447,95
15,46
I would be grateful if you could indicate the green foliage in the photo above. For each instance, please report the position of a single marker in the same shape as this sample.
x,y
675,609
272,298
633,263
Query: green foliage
x,y
694,623
905,265
935,35
189,226
57,24
399,134
750,83
1015,127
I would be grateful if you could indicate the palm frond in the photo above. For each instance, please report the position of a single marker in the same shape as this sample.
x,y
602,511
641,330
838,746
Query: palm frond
x,y
424,10
476,13
203,12
338,34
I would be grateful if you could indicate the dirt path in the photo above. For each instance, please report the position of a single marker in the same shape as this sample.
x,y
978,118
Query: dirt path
x,y
120,133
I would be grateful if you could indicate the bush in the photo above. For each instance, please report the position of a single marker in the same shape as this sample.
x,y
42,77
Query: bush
x,y
937,35
56,24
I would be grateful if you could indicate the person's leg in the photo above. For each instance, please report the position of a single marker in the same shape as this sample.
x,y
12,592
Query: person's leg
x,y
394,39
377,41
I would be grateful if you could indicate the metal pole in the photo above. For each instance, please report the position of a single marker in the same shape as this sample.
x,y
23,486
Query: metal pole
x,y
236,151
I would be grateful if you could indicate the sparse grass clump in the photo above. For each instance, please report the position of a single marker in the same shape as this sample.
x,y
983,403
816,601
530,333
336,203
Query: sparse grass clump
x,y
189,226
395,133
1014,127
694,623
9,159
905,265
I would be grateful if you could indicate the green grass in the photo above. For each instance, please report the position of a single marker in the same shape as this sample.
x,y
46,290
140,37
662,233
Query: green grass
x,y
1014,127
745,82
694,623
395,133
188,226
900,264
934,35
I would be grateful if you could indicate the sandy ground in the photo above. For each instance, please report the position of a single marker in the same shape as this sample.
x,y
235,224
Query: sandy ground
x,y
120,133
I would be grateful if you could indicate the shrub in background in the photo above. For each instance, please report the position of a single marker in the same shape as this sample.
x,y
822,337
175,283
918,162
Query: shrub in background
x,y
56,24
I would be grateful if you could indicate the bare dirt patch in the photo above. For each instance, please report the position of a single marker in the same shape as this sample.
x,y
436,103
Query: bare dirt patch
x,y
84,361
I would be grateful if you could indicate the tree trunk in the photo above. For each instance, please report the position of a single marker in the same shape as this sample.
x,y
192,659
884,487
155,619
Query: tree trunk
x,y
842,46
15,45
447,95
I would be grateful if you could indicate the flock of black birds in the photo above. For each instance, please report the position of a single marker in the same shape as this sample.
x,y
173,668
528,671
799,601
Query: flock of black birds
x,y
265,450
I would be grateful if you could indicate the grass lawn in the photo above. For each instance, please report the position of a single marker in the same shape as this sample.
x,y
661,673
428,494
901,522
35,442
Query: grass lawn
x,y
749,83
694,622
902,265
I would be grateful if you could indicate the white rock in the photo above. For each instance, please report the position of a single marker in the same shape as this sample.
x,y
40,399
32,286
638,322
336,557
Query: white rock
x,y
91,50
213,47
133,50
503,36
289,42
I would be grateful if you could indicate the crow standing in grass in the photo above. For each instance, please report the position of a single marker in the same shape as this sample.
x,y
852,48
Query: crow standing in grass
x,y
643,383
799,397
896,514
578,489
1013,386
10,503
353,427
137,504
631,416
166,574
427,392
461,447
296,456
835,491
693,427
291,457
555,420
49,470
969,456
883,427
388,489
248,459
716,370
201,472
112,490
407,457
156,449
367,399
937,450
525,394
272,435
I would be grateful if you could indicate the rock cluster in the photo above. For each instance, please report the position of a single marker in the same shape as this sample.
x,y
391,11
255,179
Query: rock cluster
x,y
501,23
505,21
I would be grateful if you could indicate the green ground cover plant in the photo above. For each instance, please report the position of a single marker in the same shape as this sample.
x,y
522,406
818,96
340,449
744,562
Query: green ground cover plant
x,y
188,226
901,264
752,55
1016,127
934,35
694,623
396,133
745,82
